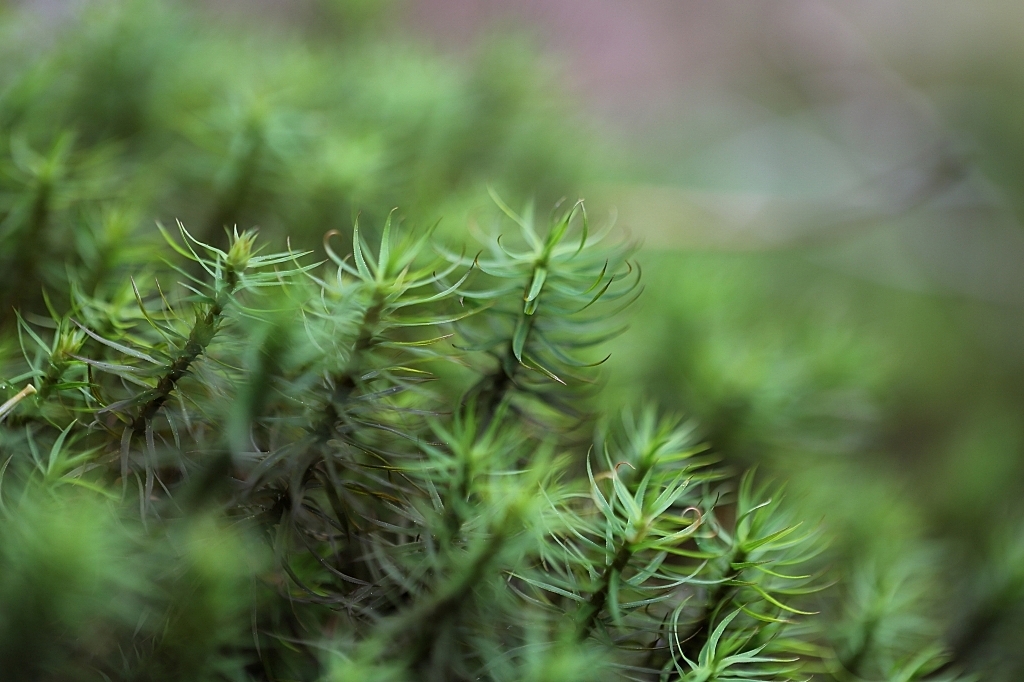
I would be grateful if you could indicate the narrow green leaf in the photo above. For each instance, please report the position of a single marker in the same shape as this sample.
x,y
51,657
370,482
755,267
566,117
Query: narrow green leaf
x,y
613,599
709,652
57,445
384,255
769,598
586,226
35,337
540,274
504,207
531,362
522,330
357,252
116,346
778,535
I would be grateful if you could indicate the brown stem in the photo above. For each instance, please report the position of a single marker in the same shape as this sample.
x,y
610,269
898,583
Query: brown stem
x,y
198,341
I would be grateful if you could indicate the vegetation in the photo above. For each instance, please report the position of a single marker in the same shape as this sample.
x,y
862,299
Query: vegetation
x,y
347,446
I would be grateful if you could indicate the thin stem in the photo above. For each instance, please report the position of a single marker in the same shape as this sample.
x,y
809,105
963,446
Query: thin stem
x,y
595,605
344,381
54,373
199,339
425,622
493,388
722,593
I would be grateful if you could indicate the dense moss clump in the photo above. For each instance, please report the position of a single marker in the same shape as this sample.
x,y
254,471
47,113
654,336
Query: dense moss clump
x,y
378,452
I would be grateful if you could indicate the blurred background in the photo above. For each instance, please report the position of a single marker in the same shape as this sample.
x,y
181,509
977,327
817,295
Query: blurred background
x,y
828,197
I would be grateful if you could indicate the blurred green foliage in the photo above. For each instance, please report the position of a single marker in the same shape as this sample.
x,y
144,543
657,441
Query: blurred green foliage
x,y
171,115
890,413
